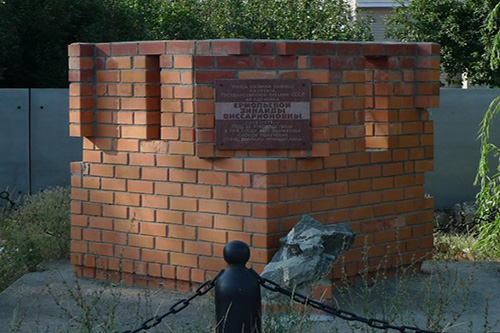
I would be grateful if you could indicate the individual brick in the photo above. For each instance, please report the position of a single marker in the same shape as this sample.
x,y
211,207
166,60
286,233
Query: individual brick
x,y
287,48
81,50
348,49
231,47
151,48
123,49
80,75
428,49
238,62
180,47
210,76
276,62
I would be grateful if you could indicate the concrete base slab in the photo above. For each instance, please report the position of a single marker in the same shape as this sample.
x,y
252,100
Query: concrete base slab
x,y
53,300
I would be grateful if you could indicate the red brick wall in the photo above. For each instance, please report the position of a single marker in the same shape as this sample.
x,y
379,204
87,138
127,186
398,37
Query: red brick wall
x,y
153,198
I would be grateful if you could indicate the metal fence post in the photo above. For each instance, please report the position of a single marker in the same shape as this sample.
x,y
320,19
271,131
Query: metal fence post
x,y
237,293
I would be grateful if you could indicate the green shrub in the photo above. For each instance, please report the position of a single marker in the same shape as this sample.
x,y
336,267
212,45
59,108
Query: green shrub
x,y
38,230
488,198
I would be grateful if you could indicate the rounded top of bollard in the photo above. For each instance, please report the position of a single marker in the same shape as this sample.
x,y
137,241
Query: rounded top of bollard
x,y
236,253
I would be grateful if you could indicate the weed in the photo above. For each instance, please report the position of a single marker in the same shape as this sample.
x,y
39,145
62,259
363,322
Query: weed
x,y
488,198
282,315
460,247
438,301
37,230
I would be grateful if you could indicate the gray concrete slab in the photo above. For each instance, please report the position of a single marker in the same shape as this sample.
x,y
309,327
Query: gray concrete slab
x,y
54,301
461,296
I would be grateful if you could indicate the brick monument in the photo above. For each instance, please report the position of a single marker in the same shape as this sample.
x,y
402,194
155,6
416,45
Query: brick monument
x,y
157,196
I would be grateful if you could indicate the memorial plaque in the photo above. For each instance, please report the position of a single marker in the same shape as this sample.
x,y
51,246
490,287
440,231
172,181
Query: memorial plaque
x,y
262,114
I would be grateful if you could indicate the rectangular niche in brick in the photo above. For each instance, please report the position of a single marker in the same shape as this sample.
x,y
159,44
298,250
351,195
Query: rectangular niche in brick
x,y
140,103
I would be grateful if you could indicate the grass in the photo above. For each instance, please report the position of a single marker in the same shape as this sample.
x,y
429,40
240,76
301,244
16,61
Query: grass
x,y
86,306
439,300
38,229
433,302
460,244
456,247
281,314
458,237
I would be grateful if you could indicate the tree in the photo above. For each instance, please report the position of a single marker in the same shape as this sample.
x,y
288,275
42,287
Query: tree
x,y
34,34
284,19
458,26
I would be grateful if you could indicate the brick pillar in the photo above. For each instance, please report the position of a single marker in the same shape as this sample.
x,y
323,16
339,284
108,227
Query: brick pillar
x,y
155,199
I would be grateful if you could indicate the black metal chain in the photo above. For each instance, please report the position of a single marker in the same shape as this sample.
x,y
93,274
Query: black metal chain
x,y
178,306
6,196
275,287
342,314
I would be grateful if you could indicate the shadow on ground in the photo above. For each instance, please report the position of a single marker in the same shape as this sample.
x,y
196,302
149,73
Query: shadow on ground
x,y
52,300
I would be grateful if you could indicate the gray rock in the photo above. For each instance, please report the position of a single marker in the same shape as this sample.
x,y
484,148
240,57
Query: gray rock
x,y
465,213
307,252
443,219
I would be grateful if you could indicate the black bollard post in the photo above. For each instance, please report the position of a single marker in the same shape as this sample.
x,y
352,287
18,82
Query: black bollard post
x,y
237,293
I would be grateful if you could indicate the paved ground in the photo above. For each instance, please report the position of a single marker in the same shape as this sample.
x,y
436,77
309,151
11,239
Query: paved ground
x,y
54,301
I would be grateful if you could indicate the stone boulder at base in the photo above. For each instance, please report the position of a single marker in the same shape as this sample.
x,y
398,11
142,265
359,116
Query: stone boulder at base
x,y
307,252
